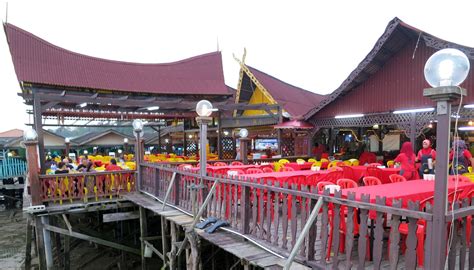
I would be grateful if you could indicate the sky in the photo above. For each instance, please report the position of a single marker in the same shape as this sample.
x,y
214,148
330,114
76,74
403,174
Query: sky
x,y
314,45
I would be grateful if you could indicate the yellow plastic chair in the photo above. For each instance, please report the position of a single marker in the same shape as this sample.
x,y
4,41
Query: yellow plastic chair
x,y
277,166
354,162
390,163
348,162
300,161
324,160
469,175
283,161
312,160
333,164
469,169
317,164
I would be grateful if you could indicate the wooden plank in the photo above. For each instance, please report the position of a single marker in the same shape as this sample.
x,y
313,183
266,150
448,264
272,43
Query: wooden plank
x,y
304,218
113,217
276,216
294,220
350,232
284,220
254,211
335,232
164,239
379,230
428,240
454,242
91,239
67,258
471,249
29,233
362,246
245,210
324,231
394,247
312,234
269,209
410,252
143,234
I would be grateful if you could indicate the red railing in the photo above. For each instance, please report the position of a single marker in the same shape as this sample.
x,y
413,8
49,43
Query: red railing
x,y
60,188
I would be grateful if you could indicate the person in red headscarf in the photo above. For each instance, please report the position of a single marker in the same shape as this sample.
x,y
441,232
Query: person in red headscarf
x,y
424,155
406,159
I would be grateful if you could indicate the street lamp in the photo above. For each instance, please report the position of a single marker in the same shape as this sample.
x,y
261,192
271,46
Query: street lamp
x,y
444,71
204,110
244,133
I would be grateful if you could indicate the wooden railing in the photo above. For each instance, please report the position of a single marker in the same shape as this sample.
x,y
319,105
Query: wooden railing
x,y
59,188
348,233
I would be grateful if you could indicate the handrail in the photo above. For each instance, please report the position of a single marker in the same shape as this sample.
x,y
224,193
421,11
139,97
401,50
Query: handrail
x,y
42,176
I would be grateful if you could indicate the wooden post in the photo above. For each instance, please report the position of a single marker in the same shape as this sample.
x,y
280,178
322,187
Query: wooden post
x,y
244,150
219,136
33,170
159,139
67,261
245,207
40,243
39,128
185,144
143,233
68,148
138,158
29,232
203,122
164,239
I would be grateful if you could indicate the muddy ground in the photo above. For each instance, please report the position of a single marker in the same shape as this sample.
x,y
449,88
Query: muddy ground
x,y
12,239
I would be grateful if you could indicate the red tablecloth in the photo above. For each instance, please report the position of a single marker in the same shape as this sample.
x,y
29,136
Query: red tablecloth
x,y
241,167
415,190
283,176
299,167
361,171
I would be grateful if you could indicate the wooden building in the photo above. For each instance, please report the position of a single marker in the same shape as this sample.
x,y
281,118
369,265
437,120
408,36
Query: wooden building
x,y
389,79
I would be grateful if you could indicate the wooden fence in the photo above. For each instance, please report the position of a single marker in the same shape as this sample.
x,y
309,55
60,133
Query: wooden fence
x,y
348,233
59,188
12,167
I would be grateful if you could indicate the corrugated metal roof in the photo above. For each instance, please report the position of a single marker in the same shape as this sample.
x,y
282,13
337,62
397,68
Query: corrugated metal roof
x,y
38,61
389,78
294,100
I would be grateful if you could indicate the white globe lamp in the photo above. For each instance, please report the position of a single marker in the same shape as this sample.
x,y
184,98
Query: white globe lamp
x,y
447,67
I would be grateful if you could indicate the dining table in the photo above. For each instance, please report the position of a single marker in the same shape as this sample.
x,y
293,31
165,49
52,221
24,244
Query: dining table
x,y
283,177
299,166
414,190
361,171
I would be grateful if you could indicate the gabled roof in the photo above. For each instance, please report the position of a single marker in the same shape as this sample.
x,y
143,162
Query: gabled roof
x,y
294,100
91,136
12,133
38,61
396,36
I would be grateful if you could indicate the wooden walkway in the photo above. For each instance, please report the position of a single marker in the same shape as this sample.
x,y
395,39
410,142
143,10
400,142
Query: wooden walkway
x,y
228,241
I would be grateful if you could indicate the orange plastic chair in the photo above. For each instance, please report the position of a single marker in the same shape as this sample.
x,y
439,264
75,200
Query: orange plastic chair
x,y
286,169
267,170
219,164
236,163
347,183
371,181
254,170
395,178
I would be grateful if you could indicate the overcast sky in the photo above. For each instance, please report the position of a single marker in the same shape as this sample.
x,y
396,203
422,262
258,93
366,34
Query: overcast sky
x,y
310,44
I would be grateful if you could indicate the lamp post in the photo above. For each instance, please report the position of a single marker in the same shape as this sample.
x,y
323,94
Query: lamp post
x,y
444,71
67,142
125,146
204,110
138,129
243,133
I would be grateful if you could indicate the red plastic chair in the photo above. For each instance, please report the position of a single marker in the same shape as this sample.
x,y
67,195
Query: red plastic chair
x,y
239,171
374,165
335,168
395,178
286,169
254,170
236,163
332,176
320,185
267,170
348,172
219,164
371,181
347,183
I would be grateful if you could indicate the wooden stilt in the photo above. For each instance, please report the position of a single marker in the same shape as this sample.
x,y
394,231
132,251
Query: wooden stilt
x,y
57,243
172,253
164,239
29,232
143,233
40,243
194,259
67,262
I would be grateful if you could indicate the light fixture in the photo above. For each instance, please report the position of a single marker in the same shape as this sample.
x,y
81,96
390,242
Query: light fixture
x,y
447,67
470,123
86,152
204,108
153,108
125,140
190,136
217,131
120,151
376,126
67,140
243,133
226,132
286,114
430,125
82,105
10,154
95,147
30,135
349,116
455,116
137,125
413,110
167,140
469,106
466,128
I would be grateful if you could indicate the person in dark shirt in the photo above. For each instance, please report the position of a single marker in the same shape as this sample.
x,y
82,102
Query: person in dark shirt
x,y
82,166
62,168
113,166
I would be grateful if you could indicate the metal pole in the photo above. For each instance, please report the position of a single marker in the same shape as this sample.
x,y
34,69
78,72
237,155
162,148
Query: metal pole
x,y
67,149
244,150
304,233
138,159
203,121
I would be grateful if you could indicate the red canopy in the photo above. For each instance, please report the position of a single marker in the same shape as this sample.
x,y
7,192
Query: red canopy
x,y
295,124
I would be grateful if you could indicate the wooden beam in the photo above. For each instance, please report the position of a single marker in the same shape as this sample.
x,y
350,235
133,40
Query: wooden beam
x,y
113,217
154,249
143,233
39,129
66,221
91,239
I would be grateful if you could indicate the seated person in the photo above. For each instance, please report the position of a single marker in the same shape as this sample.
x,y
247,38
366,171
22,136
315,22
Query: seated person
x,y
62,169
367,157
113,166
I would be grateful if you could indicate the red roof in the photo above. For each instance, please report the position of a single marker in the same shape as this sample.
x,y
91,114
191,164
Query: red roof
x,y
38,61
13,133
294,100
